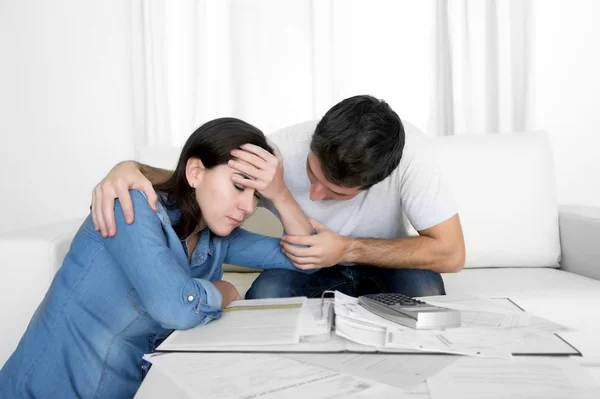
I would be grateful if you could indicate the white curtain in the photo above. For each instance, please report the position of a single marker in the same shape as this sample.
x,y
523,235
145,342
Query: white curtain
x,y
267,62
482,66
449,66
272,62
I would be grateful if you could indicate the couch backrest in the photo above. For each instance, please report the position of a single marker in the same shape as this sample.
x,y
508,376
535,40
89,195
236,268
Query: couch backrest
x,y
504,186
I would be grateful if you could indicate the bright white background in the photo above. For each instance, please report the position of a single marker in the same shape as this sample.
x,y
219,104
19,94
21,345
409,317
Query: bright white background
x,y
66,98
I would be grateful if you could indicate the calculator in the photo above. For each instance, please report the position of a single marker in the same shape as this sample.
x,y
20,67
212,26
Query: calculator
x,y
408,311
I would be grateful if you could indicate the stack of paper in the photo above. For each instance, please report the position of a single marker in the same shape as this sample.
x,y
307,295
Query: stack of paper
x,y
255,322
358,324
494,329
490,329
370,366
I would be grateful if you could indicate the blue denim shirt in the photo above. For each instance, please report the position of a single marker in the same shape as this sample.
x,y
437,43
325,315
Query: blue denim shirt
x,y
115,299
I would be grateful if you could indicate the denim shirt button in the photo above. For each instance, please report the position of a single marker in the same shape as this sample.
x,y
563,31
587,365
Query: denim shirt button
x,y
190,298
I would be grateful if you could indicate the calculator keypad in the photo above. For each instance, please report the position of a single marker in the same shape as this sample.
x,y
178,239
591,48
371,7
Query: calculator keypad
x,y
395,299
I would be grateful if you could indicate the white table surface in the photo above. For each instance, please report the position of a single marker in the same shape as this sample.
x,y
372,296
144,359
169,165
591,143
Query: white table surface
x,y
158,385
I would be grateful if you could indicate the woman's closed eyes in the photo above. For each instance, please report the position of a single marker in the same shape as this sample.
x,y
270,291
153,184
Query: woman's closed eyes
x,y
242,188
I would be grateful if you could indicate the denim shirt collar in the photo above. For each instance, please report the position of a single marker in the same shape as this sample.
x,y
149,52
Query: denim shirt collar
x,y
168,210
171,215
203,248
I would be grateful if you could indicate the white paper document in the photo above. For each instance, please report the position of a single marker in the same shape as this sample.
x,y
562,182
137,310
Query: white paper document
x,y
445,342
541,324
250,322
493,313
483,313
518,378
471,302
316,320
403,371
521,341
246,376
475,318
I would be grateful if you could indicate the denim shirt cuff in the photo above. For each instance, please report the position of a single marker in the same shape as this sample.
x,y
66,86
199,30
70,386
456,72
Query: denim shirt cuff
x,y
214,299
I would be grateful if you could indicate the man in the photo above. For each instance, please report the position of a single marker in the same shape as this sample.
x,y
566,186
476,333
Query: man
x,y
355,173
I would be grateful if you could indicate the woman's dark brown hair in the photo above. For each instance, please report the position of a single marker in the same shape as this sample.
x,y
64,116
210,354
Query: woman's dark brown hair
x,y
212,144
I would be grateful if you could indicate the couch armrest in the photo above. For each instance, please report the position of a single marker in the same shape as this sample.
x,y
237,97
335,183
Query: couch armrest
x,y
28,261
580,240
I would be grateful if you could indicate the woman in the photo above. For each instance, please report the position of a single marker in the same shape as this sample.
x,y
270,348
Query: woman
x,y
115,299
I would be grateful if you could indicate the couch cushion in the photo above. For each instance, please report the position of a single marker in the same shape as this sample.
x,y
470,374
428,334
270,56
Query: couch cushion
x,y
241,281
504,187
521,282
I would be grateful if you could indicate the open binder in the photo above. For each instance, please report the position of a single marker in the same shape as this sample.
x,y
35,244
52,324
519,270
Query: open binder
x,y
339,324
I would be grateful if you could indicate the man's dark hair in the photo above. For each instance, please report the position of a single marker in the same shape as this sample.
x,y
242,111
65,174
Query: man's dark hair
x,y
358,142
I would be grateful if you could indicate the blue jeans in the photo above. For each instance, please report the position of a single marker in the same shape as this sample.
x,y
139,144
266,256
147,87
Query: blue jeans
x,y
351,280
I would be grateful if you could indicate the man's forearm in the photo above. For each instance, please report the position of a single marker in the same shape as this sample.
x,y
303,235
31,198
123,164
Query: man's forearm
x,y
155,175
405,253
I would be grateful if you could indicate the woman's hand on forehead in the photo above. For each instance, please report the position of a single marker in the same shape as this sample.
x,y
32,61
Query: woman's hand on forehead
x,y
262,170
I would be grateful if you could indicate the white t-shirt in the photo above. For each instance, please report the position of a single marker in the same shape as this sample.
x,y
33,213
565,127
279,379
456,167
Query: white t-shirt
x,y
414,191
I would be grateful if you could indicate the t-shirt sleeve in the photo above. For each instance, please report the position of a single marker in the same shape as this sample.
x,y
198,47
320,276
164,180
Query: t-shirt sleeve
x,y
425,196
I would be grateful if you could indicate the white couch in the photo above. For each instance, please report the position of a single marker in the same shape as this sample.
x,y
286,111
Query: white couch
x,y
520,244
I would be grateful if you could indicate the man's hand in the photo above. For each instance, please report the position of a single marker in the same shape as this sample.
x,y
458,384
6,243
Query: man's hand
x,y
325,249
265,170
228,292
123,177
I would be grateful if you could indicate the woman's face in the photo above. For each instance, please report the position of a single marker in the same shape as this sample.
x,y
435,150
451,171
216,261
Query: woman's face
x,y
223,203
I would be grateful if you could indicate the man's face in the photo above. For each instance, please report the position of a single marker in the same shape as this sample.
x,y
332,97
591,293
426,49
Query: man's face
x,y
320,188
